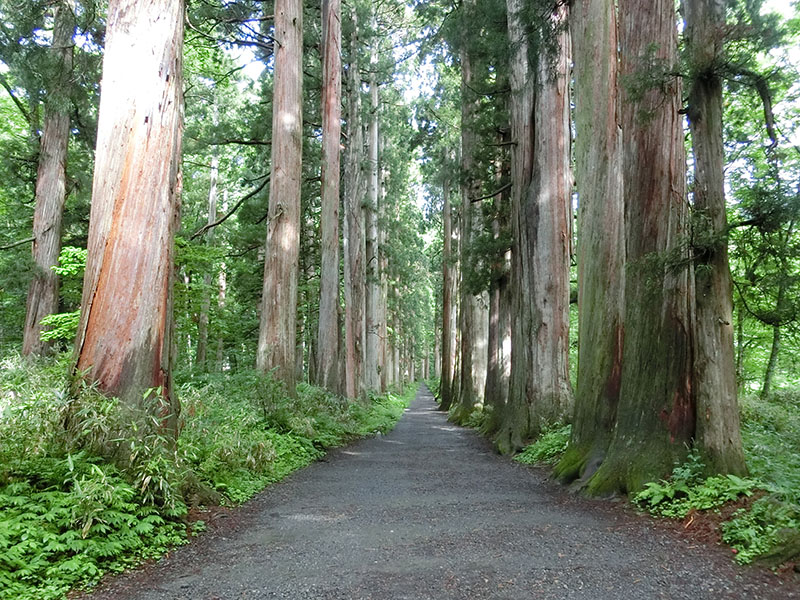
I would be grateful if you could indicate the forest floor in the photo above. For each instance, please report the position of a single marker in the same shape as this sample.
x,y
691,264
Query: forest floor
x,y
430,511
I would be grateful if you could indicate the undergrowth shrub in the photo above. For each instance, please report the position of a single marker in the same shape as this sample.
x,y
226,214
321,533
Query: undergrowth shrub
x,y
477,417
764,530
548,448
770,528
86,487
434,385
760,530
675,497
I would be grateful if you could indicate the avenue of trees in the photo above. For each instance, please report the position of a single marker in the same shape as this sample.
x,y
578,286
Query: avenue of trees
x,y
605,160
203,177
609,237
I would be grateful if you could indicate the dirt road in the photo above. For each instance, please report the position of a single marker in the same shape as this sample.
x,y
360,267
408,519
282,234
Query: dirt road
x,y
431,512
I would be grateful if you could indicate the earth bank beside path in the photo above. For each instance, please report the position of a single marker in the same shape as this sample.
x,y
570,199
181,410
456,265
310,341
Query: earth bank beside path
x,y
431,512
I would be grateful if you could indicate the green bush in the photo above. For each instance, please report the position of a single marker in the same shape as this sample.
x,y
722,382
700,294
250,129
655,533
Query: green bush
x,y
434,385
769,527
548,448
771,436
478,416
86,487
765,526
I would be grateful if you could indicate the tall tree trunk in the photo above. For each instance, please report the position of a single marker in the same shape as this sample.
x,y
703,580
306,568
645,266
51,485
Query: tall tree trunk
x,y
201,358
222,293
718,434
328,339
354,240
373,291
492,389
601,246
496,391
540,392
448,285
739,350
383,269
437,341
51,185
124,341
306,349
656,410
769,372
222,287
389,367
412,365
277,335
775,348
465,396
398,366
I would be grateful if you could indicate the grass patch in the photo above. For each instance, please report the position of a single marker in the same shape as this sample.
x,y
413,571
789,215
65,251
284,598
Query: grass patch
x,y
83,491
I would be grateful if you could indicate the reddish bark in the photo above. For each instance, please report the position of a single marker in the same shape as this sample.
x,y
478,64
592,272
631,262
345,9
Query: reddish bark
x,y
448,285
124,341
372,364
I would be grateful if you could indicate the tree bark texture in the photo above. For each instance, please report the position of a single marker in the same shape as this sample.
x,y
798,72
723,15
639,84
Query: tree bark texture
x,y
383,269
772,362
437,340
601,245
718,434
498,361
328,339
540,393
277,334
448,289
124,341
467,394
222,286
201,358
50,186
656,411
455,385
372,364
354,233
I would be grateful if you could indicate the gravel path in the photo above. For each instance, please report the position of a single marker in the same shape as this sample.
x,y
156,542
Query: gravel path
x,y
431,512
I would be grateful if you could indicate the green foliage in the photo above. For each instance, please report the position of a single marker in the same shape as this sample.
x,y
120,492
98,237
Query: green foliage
x,y
689,489
756,531
676,497
477,417
67,521
771,446
66,514
548,448
71,261
771,437
64,326
88,486
60,326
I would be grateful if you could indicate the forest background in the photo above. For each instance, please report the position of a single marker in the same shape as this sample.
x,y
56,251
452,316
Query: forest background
x,y
428,225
